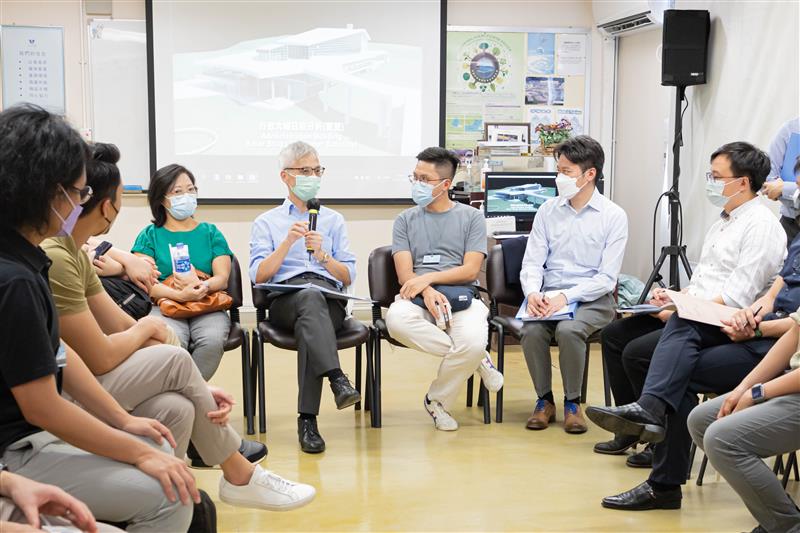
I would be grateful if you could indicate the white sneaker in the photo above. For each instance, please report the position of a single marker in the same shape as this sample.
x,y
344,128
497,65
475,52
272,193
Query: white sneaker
x,y
441,418
492,378
266,490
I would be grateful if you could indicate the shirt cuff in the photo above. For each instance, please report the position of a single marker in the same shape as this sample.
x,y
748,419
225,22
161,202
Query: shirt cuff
x,y
789,188
571,294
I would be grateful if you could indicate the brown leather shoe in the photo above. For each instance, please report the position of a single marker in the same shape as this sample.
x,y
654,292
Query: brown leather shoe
x,y
543,415
573,418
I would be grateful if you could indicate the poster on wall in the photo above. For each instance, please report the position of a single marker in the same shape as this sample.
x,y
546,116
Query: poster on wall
x,y
575,118
570,54
33,66
541,53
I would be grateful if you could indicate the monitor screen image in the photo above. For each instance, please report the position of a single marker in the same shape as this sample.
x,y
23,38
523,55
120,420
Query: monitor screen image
x,y
518,194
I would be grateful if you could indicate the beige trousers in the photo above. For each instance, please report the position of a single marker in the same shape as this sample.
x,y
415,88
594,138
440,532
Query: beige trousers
x,y
462,347
162,382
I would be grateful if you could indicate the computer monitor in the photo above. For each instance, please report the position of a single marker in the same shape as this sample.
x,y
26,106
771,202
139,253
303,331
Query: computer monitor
x,y
518,194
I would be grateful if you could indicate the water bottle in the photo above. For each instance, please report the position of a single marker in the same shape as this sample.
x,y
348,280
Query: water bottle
x,y
181,263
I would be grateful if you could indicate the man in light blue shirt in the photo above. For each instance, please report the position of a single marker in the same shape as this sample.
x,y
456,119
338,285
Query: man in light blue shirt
x,y
284,250
574,255
783,153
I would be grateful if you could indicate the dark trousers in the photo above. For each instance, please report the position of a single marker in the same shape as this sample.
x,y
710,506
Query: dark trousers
x,y
314,320
791,227
692,358
627,348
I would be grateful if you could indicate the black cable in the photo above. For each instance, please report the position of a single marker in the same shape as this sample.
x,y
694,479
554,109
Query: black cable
x,y
655,221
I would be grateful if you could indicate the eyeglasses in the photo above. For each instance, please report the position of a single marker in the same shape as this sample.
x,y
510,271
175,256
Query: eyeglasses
x,y
710,178
424,179
308,171
178,190
83,194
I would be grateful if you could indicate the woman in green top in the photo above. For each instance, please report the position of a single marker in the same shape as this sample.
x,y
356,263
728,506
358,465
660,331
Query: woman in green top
x,y
172,195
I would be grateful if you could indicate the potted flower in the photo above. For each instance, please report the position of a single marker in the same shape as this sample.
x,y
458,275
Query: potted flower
x,y
552,134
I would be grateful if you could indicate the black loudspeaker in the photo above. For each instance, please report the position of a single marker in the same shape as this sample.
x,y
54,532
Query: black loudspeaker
x,y
684,52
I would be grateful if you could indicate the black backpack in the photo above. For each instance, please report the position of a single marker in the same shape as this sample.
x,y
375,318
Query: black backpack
x,y
128,296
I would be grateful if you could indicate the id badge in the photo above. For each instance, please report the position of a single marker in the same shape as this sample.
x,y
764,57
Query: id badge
x,y
61,356
431,259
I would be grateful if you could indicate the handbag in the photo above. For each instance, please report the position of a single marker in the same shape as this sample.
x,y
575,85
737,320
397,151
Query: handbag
x,y
128,296
217,301
459,296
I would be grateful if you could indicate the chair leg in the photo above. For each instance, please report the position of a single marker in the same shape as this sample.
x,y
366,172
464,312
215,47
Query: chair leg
x,y
487,409
501,360
585,384
376,393
702,471
480,401
778,468
692,453
791,464
246,388
796,467
469,391
358,374
258,353
606,382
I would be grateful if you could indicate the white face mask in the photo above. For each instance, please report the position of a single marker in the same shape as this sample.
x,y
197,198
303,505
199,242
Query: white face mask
x,y
567,186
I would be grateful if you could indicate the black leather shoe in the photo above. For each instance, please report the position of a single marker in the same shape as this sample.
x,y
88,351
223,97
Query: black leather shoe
x,y
643,459
252,450
630,419
616,446
344,393
310,439
644,498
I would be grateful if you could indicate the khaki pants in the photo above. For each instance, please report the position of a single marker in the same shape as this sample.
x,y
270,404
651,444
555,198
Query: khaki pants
x,y
11,513
162,382
462,347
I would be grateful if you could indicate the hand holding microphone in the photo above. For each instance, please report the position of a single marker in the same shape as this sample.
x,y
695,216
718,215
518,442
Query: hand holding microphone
x,y
313,239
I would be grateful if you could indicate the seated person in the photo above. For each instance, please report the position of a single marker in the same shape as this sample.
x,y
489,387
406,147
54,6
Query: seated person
x,y
172,196
43,436
139,270
758,419
440,242
784,151
574,254
26,506
146,377
279,253
741,256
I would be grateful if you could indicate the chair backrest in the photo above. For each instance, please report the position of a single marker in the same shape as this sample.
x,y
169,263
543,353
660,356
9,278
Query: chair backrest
x,y
496,280
383,284
234,289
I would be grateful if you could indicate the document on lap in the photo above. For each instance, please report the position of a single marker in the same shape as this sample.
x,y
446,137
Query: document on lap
x,y
565,313
645,309
281,287
699,310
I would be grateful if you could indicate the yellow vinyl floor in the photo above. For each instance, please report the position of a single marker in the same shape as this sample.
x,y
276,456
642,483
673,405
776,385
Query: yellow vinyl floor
x,y
407,476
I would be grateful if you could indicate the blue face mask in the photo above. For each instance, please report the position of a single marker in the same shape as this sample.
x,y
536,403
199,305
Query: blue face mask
x,y
422,193
715,195
182,206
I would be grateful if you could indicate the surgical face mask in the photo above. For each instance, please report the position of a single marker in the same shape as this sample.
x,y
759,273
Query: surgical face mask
x,y
422,193
306,187
68,224
182,206
567,186
714,193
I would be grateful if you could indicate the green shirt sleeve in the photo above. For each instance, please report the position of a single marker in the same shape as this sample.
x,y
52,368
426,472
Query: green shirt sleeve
x,y
145,243
219,246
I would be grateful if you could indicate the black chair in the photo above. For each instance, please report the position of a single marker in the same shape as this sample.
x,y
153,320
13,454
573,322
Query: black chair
x,y
511,294
240,337
383,287
352,334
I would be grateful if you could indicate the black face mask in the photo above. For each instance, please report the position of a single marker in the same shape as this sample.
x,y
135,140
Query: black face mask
x,y
110,222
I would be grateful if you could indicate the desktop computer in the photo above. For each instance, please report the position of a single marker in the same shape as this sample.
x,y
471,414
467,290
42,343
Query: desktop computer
x,y
518,194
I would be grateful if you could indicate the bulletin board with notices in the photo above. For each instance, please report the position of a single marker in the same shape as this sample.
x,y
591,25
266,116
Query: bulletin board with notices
x,y
515,75
33,66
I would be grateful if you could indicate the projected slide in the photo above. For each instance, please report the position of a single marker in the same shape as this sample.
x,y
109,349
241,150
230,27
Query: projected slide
x,y
345,80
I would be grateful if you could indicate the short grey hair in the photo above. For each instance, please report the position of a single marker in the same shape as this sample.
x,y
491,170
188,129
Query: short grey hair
x,y
291,153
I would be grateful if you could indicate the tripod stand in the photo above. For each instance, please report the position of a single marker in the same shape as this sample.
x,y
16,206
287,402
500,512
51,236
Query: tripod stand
x,y
676,250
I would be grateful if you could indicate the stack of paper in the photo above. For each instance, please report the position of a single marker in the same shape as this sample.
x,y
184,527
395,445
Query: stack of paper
x,y
565,313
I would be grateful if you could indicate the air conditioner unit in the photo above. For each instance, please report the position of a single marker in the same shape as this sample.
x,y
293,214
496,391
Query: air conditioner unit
x,y
628,16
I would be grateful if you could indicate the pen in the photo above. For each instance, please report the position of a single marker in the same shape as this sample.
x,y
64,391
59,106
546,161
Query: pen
x,y
760,307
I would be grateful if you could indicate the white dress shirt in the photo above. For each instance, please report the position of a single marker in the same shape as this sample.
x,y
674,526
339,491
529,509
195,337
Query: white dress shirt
x,y
742,253
578,253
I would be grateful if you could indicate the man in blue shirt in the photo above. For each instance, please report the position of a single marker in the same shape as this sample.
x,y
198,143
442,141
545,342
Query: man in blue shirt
x,y
783,153
279,253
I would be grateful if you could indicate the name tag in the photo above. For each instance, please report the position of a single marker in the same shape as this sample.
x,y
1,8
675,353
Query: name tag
x,y
431,259
61,356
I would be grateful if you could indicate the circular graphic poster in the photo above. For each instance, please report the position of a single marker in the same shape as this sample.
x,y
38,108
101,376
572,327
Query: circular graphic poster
x,y
486,62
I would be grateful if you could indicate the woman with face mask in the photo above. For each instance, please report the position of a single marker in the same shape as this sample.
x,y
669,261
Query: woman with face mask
x,y
172,195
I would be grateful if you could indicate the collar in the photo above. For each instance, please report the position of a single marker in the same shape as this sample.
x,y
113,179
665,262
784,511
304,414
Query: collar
x,y
739,211
290,208
12,243
595,202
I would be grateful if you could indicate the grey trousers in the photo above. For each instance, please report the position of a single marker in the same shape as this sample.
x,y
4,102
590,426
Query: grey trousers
x,y
162,382
113,491
9,512
571,337
314,320
736,445
203,336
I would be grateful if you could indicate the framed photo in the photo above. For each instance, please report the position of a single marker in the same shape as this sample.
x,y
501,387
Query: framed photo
x,y
517,132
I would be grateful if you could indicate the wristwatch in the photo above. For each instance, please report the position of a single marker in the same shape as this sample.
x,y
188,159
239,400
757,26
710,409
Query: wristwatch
x,y
325,258
758,394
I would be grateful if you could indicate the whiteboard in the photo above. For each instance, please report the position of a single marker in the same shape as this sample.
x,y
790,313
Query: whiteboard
x,y
33,66
118,92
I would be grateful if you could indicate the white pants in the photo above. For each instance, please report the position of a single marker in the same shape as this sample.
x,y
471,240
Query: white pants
x,y
462,348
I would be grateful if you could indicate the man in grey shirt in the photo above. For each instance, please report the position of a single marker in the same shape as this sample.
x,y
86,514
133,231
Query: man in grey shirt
x,y
440,243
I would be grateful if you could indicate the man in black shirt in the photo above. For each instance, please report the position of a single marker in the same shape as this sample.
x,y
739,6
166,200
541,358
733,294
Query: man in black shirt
x,y
94,454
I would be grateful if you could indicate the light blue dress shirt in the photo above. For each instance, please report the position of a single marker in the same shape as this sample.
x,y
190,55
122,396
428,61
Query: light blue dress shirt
x,y
578,253
783,152
270,230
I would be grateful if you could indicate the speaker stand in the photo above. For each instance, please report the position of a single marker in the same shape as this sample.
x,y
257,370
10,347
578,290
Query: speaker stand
x,y
676,251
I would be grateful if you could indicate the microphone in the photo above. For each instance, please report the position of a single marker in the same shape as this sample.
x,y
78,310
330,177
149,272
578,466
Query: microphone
x,y
313,212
